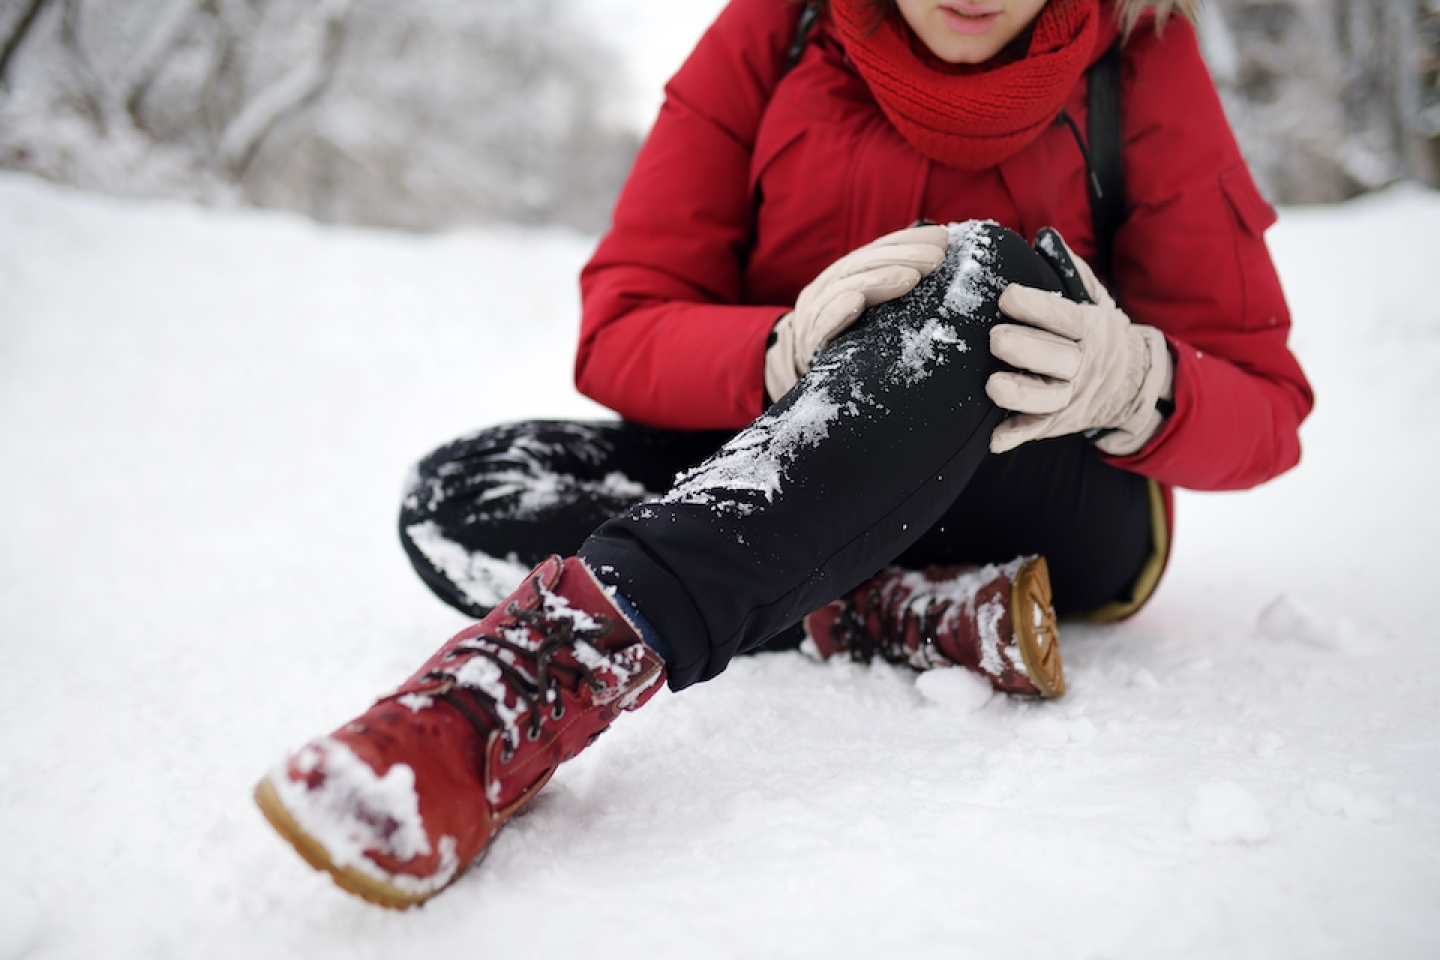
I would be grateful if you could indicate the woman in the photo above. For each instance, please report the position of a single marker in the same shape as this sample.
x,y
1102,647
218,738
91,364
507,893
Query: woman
x,y
959,421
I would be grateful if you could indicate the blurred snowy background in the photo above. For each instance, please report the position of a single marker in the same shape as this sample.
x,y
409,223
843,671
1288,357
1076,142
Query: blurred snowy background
x,y
207,410
428,113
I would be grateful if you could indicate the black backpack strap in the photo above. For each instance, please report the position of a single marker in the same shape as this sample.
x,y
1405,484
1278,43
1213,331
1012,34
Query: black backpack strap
x,y
803,28
1105,157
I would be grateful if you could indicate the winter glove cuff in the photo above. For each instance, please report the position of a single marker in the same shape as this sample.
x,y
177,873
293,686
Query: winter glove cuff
x,y
1152,372
780,361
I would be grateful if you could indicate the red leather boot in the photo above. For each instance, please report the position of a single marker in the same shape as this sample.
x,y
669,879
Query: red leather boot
x,y
396,803
996,621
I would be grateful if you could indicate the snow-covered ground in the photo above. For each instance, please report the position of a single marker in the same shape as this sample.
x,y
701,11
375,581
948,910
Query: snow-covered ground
x,y
205,418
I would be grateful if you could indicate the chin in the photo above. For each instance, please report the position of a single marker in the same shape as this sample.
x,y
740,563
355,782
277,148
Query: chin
x,y
969,53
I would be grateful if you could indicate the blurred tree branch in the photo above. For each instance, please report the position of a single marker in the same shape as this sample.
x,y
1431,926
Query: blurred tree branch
x,y
1328,97
17,35
418,113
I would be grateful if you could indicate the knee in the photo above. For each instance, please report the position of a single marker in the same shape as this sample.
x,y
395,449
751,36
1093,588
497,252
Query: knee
x,y
982,259
1002,255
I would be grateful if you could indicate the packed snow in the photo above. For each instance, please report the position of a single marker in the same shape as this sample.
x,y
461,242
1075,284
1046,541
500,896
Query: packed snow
x,y
757,460
352,810
975,253
918,349
484,580
206,419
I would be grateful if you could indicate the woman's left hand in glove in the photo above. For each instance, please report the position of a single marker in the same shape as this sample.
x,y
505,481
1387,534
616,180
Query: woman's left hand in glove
x,y
1079,366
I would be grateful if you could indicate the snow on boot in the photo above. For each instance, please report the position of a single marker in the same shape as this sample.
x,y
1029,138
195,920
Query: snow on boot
x,y
995,620
395,804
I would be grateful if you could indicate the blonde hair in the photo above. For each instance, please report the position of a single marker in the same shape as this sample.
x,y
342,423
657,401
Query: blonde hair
x,y
1129,12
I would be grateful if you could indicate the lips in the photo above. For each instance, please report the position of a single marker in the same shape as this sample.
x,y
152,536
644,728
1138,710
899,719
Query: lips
x,y
968,18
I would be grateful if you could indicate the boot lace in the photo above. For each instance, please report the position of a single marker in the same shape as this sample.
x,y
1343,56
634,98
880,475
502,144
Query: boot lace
x,y
546,638
893,612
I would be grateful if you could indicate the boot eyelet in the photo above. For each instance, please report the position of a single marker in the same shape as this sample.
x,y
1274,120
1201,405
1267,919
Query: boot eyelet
x,y
532,734
507,754
557,712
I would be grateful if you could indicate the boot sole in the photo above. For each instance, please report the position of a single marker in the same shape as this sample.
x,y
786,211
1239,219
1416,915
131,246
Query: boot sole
x,y
314,853
1036,634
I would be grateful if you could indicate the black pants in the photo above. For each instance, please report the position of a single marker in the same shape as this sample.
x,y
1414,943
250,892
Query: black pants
x,y
879,455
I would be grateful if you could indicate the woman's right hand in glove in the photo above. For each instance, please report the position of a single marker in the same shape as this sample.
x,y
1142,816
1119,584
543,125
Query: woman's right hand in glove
x,y
881,270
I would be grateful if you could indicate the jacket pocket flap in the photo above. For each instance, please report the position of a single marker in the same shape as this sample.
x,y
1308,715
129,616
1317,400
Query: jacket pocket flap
x,y
1256,214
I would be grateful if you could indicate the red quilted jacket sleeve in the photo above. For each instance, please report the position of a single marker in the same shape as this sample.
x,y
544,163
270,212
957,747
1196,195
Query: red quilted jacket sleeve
x,y
672,345
1191,260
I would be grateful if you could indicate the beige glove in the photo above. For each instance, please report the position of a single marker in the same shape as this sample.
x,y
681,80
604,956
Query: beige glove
x,y
882,270
1083,367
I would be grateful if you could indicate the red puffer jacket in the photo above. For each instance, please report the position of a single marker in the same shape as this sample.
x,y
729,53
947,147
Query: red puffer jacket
x,y
750,184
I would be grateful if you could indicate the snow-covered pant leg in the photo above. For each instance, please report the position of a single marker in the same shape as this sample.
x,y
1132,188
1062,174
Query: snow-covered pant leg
x,y
838,478
480,512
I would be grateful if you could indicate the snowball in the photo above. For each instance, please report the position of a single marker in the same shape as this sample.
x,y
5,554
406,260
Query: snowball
x,y
1284,619
1336,799
1225,812
1268,744
955,688
1144,679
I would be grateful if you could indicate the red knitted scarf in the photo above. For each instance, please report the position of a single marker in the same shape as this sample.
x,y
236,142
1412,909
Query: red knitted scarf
x,y
970,119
